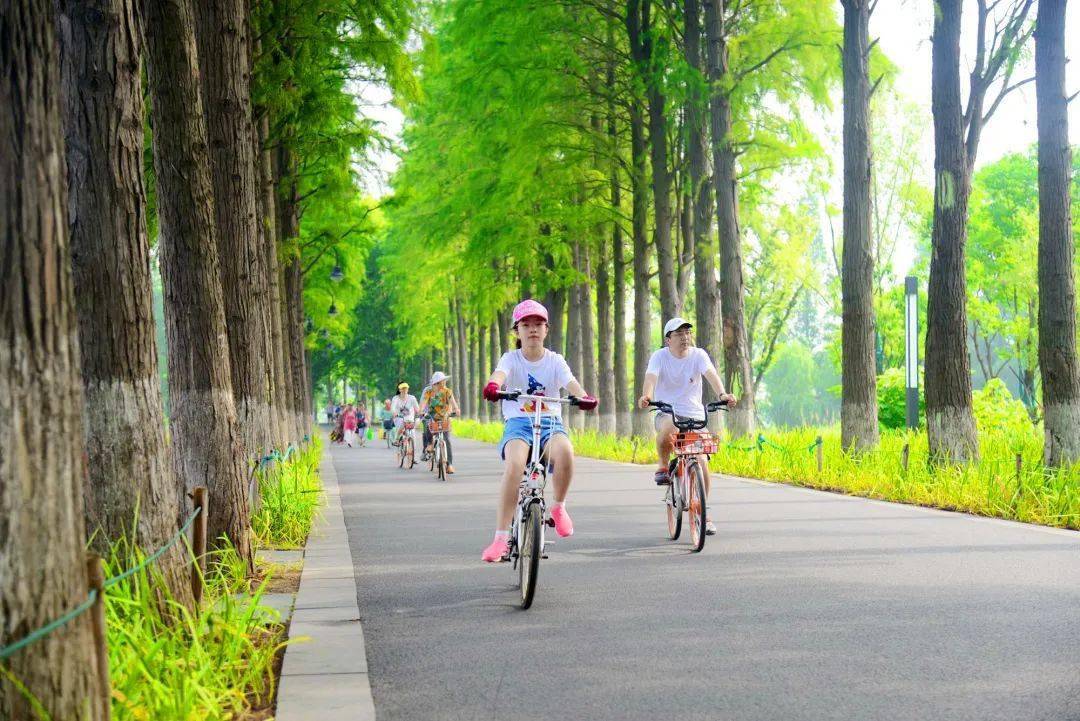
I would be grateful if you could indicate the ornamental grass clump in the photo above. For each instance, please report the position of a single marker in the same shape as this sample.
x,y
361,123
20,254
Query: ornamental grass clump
x,y
290,493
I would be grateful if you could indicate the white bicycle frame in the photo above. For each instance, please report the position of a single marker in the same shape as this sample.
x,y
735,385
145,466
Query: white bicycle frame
x,y
534,478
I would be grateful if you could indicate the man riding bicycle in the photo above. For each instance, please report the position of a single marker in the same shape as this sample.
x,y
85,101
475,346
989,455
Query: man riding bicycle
x,y
404,408
674,376
440,400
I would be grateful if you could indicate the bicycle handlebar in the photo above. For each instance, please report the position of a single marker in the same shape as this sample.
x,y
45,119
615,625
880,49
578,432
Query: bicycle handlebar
x,y
517,394
690,423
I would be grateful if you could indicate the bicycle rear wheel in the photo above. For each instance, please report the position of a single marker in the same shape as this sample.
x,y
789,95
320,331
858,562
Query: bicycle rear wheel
x,y
696,507
674,509
400,450
529,553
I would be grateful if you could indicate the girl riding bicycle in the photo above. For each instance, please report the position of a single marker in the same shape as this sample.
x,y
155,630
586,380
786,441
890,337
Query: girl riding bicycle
x,y
538,371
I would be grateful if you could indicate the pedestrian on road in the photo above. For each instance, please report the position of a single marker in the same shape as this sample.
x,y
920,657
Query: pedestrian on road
x,y
674,376
348,423
538,371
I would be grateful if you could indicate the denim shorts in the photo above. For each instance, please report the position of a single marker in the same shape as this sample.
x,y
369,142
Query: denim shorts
x,y
521,427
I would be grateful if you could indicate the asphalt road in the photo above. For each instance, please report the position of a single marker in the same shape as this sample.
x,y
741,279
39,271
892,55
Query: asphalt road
x,y
806,605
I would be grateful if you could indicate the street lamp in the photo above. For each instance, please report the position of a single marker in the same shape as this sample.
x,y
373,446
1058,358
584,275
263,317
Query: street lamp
x,y
337,274
332,311
911,354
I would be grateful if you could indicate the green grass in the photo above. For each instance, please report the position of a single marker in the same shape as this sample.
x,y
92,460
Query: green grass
x,y
167,663
990,487
291,493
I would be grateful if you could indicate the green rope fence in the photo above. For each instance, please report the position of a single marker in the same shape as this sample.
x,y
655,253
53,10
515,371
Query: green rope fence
x,y
48,628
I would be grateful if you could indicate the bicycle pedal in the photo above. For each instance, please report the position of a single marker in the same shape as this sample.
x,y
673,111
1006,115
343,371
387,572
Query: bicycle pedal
x,y
550,522
543,555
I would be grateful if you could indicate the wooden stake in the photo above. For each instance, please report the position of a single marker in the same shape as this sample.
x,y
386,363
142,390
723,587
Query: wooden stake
x,y
198,544
95,578
818,453
905,456
1019,472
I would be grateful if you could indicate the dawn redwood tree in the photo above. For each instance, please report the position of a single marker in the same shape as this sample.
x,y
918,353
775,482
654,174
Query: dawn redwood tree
x,y
1057,290
738,378
221,33
858,408
42,561
206,442
129,470
950,421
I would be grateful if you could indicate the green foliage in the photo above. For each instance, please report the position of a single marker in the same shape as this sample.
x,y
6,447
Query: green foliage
x,y
290,492
797,387
996,408
167,663
988,487
892,400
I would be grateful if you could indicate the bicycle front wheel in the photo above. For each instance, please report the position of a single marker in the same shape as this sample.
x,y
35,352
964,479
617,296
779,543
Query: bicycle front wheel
x,y
674,510
410,453
400,450
529,553
441,450
696,508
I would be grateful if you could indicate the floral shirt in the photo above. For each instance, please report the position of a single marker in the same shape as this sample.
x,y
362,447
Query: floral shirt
x,y
438,402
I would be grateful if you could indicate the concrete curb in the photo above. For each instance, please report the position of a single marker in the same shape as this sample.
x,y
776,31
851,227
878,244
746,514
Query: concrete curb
x,y
326,678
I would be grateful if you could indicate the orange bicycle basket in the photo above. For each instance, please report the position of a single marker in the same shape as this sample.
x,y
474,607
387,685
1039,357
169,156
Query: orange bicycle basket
x,y
693,443
439,426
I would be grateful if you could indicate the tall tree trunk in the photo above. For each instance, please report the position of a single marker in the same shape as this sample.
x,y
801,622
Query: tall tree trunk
x,y
588,335
129,472
1057,290
555,302
950,422
858,405
292,318
574,353
737,375
221,35
451,361
461,345
619,386
641,425
42,563
474,366
641,50
268,225
706,287
206,442
482,372
605,388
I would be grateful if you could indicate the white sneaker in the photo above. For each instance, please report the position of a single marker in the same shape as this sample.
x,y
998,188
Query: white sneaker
x,y
710,528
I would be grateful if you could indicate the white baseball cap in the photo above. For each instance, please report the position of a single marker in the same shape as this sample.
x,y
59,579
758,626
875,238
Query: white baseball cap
x,y
674,324
438,376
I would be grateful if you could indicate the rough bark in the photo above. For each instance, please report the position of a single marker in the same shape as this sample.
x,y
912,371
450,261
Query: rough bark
x,y
555,302
130,480
706,287
206,442
641,50
495,350
292,317
641,423
950,422
1057,290
858,405
221,35
737,374
268,213
461,346
574,348
482,373
605,387
474,367
42,565
588,335
623,425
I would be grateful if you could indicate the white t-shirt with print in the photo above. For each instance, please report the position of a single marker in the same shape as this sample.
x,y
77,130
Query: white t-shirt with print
x,y
678,380
408,404
545,377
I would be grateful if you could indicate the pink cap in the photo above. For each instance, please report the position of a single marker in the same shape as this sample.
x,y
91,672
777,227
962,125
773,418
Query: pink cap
x,y
529,309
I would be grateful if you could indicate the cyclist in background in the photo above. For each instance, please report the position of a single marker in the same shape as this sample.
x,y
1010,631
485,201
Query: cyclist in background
x,y
403,408
537,371
674,376
440,400
385,417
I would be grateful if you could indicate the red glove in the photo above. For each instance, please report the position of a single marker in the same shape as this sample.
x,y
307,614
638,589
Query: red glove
x,y
491,392
587,403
